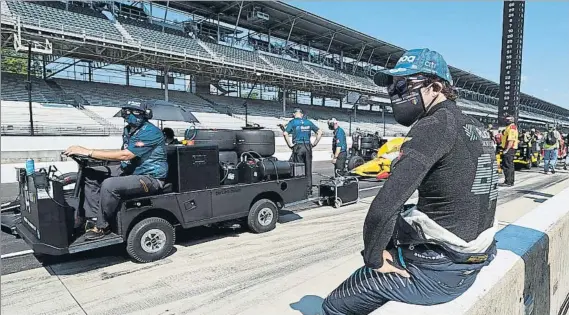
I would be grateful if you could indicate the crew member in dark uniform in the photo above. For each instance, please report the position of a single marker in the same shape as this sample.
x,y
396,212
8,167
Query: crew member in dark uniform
x,y
431,253
300,129
339,148
142,169
169,136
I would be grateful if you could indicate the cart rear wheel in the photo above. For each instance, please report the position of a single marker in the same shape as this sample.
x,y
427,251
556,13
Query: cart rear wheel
x,y
150,239
337,203
263,216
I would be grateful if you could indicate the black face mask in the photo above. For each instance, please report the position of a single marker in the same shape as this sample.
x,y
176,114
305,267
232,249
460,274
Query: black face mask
x,y
408,105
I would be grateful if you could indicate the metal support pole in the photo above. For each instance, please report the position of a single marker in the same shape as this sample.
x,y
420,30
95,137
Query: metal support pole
x,y
383,118
43,67
370,55
236,23
359,58
330,44
284,102
387,62
166,83
289,33
30,88
127,75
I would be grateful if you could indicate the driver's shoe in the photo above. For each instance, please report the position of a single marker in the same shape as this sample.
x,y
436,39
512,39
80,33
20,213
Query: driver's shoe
x,y
96,233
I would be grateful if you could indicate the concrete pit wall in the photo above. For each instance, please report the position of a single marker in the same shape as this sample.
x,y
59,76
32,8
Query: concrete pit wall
x,y
530,274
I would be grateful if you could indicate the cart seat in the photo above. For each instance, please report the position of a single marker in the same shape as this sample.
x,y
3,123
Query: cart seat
x,y
167,188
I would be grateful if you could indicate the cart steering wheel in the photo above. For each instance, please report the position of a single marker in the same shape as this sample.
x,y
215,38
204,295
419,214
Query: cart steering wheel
x,y
83,160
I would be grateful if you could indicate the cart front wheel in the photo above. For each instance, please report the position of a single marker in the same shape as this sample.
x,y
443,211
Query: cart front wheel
x,y
150,239
337,203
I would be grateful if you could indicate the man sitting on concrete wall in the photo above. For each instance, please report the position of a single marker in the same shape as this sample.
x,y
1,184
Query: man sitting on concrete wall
x,y
431,253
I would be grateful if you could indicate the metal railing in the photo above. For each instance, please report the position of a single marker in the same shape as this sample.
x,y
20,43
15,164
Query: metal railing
x,y
64,28
24,130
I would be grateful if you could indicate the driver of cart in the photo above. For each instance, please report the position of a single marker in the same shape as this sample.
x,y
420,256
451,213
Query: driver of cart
x,y
339,147
169,136
142,170
431,253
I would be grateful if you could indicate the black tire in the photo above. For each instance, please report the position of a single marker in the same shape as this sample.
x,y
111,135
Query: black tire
x,y
224,139
355,161
367,146
337,203
260,141
368,139
528,165
134,246
254,218
228,157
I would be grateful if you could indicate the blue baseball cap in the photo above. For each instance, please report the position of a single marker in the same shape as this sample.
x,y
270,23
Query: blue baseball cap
x,y
420,61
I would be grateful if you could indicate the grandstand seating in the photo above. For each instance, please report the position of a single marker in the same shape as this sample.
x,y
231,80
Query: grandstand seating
x,y
237,55
150,35
14,89
78,19
55,119
289,66
86,21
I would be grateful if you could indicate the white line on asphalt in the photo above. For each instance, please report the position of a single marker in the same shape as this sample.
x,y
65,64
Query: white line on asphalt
x,y
16,254
370,188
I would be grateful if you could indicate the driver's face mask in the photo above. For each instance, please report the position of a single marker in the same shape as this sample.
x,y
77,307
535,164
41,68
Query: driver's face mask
x,y
407,100
132,117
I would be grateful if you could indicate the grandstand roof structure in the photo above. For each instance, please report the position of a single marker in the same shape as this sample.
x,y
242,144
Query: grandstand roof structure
x,y
86,34
300,26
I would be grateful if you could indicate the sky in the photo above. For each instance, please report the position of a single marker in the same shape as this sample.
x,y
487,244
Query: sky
x,y
468,35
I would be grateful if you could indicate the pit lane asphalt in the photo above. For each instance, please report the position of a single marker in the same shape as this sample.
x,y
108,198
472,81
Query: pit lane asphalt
x,y
11,244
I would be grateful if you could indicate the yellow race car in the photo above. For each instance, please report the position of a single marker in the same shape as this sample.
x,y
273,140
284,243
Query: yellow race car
x,y
521,160
380,166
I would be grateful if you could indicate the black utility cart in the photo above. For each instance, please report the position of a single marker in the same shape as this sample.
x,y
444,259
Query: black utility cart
x,y
195,194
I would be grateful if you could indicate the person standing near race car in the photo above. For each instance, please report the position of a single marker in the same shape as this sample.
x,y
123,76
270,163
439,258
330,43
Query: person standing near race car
x,y
300,128
510,140
430,254
142,169
550,149
339,148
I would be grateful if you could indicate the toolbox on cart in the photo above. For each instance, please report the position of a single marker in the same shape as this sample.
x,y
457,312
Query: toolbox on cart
x,y
339,191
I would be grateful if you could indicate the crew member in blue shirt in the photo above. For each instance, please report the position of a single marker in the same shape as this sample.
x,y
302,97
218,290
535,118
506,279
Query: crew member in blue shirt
x,y
339,148
300,129
142,170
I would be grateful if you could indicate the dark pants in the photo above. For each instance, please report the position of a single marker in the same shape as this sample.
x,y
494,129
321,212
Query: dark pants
x,y
302,153
104,186
508,166
433,281
340,165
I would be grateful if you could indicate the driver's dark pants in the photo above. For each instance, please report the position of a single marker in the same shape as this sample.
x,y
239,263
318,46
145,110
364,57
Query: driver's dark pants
x,y
340,165
433,280
302,153
104,186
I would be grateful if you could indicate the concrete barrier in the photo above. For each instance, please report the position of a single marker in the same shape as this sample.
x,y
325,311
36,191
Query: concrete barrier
x,y
529,276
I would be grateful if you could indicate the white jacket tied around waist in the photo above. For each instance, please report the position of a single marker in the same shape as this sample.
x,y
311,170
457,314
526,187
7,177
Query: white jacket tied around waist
x,y
434,231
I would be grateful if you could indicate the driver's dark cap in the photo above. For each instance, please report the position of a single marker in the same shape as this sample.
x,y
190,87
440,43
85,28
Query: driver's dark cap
x,y
132,105
298,110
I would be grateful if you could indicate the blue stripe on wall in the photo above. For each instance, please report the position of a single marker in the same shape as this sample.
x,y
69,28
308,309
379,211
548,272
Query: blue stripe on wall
x,y
518,239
